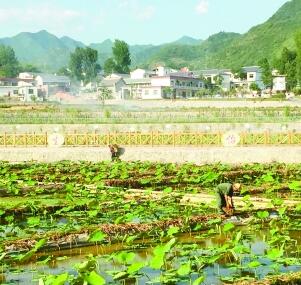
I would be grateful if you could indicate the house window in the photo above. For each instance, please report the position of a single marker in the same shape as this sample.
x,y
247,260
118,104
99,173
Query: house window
x,y
146,92
15,92
155,92
30,91
251,75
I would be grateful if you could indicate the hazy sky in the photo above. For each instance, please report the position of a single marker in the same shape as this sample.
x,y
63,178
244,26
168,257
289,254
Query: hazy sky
x,y
135,21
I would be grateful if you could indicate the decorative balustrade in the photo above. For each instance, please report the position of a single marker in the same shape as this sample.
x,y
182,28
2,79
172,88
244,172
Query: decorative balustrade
x,y
149,139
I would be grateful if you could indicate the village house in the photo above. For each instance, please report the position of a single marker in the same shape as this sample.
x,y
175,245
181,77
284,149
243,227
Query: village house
x,y
114,85
141,73
161,83
253,75
279,83
173,85
18,88
212,75
49,84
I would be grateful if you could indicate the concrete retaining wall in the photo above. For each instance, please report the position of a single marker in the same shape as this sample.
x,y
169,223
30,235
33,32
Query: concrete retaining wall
x,y
232,155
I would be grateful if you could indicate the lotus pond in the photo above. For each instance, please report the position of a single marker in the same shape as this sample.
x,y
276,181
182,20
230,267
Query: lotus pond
x,y
129,223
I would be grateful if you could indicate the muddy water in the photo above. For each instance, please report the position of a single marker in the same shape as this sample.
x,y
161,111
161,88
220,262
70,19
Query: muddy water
x,y
64,261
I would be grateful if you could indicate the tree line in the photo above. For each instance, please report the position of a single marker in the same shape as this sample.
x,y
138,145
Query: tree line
x,y
83,63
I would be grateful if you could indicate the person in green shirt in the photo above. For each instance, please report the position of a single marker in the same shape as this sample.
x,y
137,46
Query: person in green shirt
x,y
224,194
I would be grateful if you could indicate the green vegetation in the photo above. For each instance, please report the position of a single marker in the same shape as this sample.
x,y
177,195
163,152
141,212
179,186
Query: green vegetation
x,y
121,60
263,41
151,235
83,64
47,114
267,78
9,65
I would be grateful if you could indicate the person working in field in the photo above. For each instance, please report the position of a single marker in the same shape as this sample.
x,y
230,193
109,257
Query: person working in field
x,y
114,151
224,194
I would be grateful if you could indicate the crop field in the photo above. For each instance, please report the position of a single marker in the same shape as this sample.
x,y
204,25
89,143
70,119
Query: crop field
x,y
97,114
146,223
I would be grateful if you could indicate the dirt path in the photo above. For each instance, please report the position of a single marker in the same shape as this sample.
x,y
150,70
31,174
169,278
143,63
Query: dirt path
x,y
197,155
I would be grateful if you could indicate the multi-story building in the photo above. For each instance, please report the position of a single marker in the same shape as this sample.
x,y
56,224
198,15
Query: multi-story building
x,y
253,75
157,84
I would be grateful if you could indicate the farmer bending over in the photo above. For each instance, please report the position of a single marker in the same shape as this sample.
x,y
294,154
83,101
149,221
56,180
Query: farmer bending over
x,y
114,151
224,194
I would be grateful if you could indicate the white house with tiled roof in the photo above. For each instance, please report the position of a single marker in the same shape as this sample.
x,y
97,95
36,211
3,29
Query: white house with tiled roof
x,y
211,74
173,85
114,84
254,75
50,84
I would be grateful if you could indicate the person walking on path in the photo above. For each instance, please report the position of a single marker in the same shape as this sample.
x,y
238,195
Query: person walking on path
x,y
224,194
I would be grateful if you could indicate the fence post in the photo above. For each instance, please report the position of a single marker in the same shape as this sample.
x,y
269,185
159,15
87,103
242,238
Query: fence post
x,y
241,141
94,140
219,135
266,137
46,139
75,138
174,139
290,141
34,139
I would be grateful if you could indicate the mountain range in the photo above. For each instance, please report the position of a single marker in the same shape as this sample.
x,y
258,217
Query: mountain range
x,y
221,50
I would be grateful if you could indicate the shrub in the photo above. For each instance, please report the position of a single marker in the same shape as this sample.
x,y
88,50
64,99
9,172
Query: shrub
x,y
279,96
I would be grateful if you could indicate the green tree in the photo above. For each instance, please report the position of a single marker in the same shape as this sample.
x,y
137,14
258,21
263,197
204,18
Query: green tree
x,y
218,79
287,64
9,65
109,66
267,77
254,87
104,93
64,71
207,81
29,68
239,73
287,57
33,98
298,58
83,64
122,57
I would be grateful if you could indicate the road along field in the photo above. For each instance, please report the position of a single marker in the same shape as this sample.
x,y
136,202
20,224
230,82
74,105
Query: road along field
x,y
197,155
148,223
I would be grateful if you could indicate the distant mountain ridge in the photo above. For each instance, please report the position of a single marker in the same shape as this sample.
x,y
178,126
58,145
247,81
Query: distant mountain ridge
x,y
223,49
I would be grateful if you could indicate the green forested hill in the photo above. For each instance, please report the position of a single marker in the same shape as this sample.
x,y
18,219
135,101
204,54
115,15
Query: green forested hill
x,y
265,40
235,50
226,50
41,49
